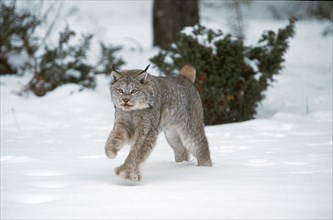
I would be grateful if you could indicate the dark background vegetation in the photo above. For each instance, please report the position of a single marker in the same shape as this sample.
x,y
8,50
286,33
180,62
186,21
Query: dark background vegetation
x,y
231,76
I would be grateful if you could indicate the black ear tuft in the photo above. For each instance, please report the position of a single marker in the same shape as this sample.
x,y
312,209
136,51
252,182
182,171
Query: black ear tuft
x,y
113,68
147,67
145,70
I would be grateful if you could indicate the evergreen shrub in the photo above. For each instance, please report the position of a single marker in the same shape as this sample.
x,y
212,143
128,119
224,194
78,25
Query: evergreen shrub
x,y
231,77
22,51
17,40
67,62
64,63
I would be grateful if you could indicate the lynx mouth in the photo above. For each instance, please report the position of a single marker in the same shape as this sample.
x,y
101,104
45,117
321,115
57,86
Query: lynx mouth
x,y
126,106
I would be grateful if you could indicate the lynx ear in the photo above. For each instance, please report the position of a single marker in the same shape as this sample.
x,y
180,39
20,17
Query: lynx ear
x,y
143,75
115,75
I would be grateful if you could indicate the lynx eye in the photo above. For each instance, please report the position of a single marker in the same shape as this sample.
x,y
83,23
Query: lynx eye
x,y
133,91
120,90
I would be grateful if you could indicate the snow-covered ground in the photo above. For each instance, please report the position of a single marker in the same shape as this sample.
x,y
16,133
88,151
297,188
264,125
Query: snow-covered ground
x,y
276,166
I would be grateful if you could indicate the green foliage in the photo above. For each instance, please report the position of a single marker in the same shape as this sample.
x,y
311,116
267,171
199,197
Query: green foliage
x,y
65,63
16,37
231,77
68,63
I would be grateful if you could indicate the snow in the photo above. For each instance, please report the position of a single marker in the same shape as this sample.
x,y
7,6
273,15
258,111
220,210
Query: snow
x,y
17,60
252,63
277,166
203,38
16,42
73,73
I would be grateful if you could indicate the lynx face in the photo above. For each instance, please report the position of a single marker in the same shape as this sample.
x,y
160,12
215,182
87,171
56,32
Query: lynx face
x,y
129,90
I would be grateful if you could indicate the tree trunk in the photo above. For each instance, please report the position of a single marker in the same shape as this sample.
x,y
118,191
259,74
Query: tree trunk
x,y
170,17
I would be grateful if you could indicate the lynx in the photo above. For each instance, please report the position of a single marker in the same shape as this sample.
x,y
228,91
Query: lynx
x,y
146,105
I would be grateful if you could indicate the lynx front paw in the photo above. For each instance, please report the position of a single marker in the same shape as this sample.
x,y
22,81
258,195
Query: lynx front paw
x,y
110,153
128,174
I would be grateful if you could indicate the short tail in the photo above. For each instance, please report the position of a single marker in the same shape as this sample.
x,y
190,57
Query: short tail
x,y
189,72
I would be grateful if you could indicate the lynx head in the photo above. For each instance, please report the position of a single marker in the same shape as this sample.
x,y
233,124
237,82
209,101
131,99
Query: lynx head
x,y
130,90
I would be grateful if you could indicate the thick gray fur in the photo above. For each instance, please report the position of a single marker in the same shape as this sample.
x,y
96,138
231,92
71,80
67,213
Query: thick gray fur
x,y
146,105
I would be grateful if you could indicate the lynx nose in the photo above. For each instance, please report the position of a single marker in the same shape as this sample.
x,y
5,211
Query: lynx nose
x,y
126,100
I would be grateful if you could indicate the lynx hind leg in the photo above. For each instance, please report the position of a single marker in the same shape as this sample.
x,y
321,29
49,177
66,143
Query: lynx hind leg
x,y
181,153
197,144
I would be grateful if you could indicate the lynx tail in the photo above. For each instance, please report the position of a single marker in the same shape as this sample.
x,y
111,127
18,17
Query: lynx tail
x,y
189,72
